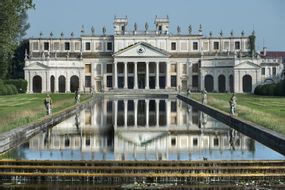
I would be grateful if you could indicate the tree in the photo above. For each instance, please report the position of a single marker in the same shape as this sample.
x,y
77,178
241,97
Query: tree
x,y
13,22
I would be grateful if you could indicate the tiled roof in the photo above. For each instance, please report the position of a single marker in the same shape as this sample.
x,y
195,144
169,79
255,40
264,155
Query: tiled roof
x,y
274,54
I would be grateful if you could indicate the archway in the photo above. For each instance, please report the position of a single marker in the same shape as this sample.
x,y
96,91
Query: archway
x,y
246,83
209,83
52,83
222,83
231,83
74,83
37,84
61,84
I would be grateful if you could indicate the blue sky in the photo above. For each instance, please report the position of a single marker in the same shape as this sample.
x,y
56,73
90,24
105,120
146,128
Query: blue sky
x,y
266,17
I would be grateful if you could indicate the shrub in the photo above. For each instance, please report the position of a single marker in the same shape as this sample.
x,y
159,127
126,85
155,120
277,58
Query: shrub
x,y
257,90
3,90
20,84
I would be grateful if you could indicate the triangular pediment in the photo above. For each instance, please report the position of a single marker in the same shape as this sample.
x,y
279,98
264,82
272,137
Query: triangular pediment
x,y
36,66
141,49
247,65
141,138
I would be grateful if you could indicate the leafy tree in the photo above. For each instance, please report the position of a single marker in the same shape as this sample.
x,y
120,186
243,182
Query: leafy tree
x,y
13,22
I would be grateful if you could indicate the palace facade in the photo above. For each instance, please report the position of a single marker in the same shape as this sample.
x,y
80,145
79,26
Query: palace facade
x,y
146,60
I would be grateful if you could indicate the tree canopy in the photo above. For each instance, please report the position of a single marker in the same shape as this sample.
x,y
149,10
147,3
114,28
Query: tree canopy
x,y
13,22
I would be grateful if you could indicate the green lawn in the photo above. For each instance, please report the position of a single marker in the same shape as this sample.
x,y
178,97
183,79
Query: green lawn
x,y
266,111
21,109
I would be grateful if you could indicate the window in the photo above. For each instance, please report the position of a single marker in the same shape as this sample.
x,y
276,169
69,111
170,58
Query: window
x,y
195,142
109,82
109,68
77,46
87,68
216,45
173,81
173,106
173,45
109,46
109,106
216,142
88,142
67,46
173,141
56,46
274,71
173,68
87,81
159,28
195,68
226,46
46,46
98,46
35,46
237,45
263,71
88,46
195,45
195,81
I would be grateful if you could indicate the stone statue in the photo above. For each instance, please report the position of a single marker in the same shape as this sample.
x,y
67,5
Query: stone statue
x,y
232,33
61,34
82,29
104,30
221,33
92,30
190,29
47,103
178,30
135,26
188,92
233,104
204,97
77,96
146,26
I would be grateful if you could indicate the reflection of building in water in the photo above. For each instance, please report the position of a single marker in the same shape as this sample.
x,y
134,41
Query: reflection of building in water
x,y
144,129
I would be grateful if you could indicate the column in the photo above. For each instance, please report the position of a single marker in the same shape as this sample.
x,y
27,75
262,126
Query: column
x,y
115,113
136,75
48,82
216,85
67,83
168,111
81,80
157,76
30,83
227,83
147,112
44,82
115,76
167,76
126,112
56,83
147,75
125,75
202,80
157,112
135,112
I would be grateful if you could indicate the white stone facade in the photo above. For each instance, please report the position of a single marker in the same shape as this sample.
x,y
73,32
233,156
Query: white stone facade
x,y
145,60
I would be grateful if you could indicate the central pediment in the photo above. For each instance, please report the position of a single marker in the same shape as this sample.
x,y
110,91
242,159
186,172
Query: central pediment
x,y
141,49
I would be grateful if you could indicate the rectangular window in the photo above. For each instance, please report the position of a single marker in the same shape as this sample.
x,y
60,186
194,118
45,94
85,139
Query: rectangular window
x,y
46,46
109,106
237,45
195,68
226,46
87,81
56,46
173,106
98,46
216,45
87,68
35,46
173,45
109,68
173,81
274,71
195,142
67,46
77,46
109,82
195,45
109,46
263,71
173,141
87,46
195,81
216,142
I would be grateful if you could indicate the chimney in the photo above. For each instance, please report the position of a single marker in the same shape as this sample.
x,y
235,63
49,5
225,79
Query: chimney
x,y
264,51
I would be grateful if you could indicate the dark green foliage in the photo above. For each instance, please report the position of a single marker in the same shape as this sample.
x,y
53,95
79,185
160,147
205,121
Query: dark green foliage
x,y
271,89
20,84
13,22
7,89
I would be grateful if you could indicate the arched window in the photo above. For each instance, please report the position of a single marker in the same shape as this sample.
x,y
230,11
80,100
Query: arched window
x,y
209,83
61,84
247,83
37,84
74,83
222,83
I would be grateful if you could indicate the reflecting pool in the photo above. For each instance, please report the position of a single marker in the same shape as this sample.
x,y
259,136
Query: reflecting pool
x,y
141,129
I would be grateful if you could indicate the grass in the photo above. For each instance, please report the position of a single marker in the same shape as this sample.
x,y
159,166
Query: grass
x,y
21,109
266,111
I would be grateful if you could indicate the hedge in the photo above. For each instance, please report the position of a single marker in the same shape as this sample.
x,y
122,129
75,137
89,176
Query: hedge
x,y
7,89
20,84
271,89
